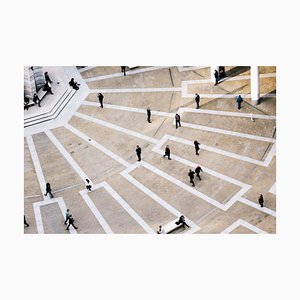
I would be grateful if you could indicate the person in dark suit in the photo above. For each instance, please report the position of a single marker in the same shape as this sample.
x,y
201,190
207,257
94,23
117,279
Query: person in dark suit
x,y
36,99
167,152
197,99
216,77
197,148
261,200
25,223
239,101
148,115
138,151
71,222
191,175
26,102
100,97
182,221
177,121
123,69
197,171
47,78
48,190
88,186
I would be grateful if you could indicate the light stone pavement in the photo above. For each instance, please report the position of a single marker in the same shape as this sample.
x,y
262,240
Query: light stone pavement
x,y
237,154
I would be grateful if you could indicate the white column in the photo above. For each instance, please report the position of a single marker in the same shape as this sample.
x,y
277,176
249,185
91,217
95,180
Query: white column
x,y
212,71
255,89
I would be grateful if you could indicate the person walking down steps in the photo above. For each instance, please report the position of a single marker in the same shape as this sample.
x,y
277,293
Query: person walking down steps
x,y
261,200
197,148
197,171
177,121
100,97
67,216
148,115
197,99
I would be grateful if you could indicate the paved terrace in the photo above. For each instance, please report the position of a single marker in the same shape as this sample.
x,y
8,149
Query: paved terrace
x,y
238,155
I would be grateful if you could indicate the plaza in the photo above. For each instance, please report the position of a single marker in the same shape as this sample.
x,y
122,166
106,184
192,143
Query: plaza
x,y
71,138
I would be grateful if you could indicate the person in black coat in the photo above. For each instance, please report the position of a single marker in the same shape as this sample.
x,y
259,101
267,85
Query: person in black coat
x,y
191,175
177,121
138,151
197,171
71,222
182,221
148,115
100,97
261,200
36,99
216,77
48,190
25,223
74,84
123,69
239,101
197,99
197,148
47,78
167,152
47,88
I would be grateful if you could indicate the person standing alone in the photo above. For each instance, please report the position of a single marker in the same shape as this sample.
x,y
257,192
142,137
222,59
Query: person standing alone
x,y
197,99
100,97
138,151
148,115
197,148
216,77
261,200
177,121
239,101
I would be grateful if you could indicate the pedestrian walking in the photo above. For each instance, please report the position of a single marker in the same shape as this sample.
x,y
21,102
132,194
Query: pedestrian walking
x,y
197,99
261,200
48,190
191,175
67,216
71,222
182,221
25,223
88,186
160,230
167,152
47,78
239,101
177,121
216,77
36,99
197,148
123,69
138,151
100,97
148,115
197,171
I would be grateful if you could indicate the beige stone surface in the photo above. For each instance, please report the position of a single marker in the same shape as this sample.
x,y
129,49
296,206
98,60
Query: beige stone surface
x,y
99,167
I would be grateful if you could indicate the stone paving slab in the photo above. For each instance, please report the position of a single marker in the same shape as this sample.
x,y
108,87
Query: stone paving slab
x,y
152,213
156,78
55,168
110,208
31,185
211,186
189,205
259,127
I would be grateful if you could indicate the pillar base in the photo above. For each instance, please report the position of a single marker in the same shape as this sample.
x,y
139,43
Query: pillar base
x,y
255,102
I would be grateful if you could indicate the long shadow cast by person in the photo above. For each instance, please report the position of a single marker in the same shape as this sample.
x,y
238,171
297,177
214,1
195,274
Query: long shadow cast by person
x,y
237,70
